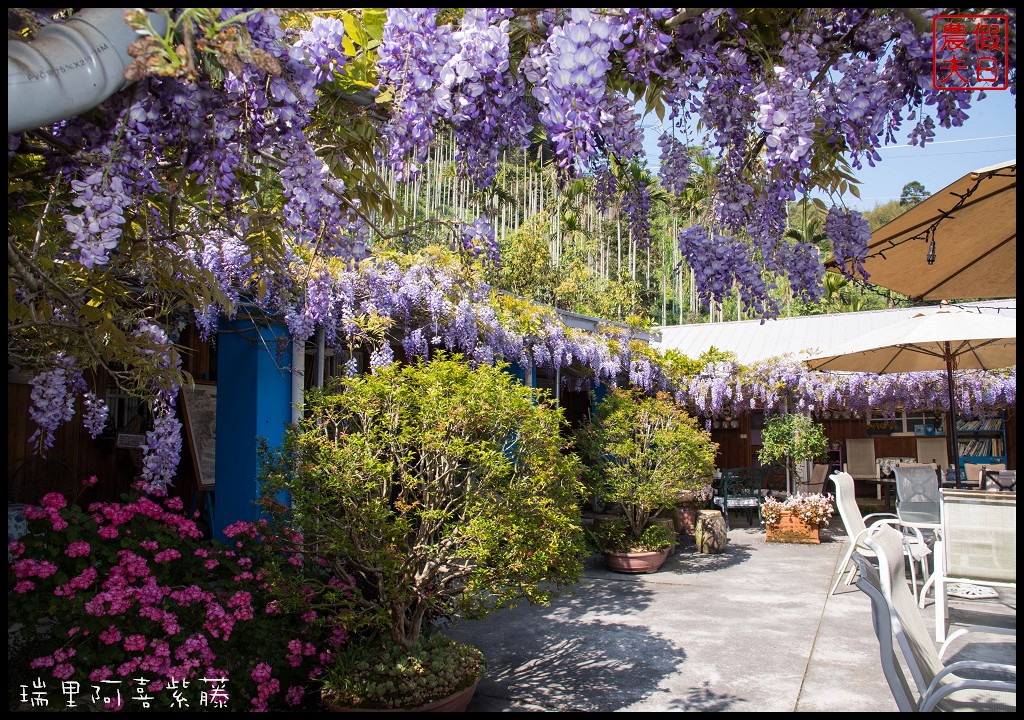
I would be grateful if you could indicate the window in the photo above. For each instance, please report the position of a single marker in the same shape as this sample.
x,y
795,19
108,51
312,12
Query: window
x,y
910,421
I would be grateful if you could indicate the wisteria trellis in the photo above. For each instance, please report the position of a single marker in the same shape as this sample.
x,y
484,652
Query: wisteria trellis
x,y
838,76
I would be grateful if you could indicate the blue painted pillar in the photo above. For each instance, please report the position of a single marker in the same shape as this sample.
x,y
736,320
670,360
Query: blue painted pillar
x,y
253,400
520,372
599,392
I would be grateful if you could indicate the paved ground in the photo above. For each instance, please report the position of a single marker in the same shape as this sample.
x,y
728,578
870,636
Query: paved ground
x,y
752,629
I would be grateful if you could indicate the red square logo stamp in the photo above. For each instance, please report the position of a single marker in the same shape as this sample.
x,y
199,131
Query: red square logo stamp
x,y
970,52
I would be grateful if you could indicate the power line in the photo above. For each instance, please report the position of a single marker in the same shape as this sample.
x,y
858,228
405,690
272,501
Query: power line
x,y
965,152
946,142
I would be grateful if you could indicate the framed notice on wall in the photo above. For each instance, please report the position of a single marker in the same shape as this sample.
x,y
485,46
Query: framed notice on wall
x,y
199,407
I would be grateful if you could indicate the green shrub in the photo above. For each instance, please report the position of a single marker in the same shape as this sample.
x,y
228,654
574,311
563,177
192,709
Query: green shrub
x,y
641,452
441,489
792,439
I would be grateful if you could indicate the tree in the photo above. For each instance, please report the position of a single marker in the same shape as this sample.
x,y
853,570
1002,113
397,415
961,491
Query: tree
x,y
913,193
641,453
439,488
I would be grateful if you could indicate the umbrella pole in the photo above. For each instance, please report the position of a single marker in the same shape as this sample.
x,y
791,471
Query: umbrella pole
x,y
952,416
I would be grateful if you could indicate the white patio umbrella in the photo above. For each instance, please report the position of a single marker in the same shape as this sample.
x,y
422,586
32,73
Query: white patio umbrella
x,y
943,338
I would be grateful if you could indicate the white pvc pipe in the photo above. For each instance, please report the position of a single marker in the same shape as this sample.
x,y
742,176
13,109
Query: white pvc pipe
x,y
70,67
321,352
298,378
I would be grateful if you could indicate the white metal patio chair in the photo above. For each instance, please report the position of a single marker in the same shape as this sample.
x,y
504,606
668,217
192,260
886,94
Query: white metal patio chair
x,y
935,680
860,459
977,545
933,450
870,584
857,527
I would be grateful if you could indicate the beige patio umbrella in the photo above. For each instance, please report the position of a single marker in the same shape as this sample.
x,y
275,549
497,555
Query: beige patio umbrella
x,y
942,338
959,243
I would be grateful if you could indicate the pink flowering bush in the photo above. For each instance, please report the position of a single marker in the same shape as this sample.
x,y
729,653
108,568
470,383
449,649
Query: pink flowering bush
x,y
133,591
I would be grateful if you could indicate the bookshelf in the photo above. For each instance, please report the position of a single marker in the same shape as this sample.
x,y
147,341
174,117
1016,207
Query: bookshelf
x,y
982,442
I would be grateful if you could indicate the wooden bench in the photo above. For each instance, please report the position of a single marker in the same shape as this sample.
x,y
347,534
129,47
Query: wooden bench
x,y
741,489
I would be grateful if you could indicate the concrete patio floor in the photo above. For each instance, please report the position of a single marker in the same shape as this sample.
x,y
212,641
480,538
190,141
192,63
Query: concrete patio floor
x,y
751,629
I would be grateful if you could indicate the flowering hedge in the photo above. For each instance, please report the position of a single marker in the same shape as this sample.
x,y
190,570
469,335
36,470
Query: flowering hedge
x,y
127,590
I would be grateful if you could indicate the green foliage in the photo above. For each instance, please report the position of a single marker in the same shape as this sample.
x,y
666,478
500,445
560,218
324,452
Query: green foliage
x,y
792,438
884,213
913,193
441,488
375,674
641,452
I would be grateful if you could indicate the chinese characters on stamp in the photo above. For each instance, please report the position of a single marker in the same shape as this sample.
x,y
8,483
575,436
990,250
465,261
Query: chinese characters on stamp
x,y
970,52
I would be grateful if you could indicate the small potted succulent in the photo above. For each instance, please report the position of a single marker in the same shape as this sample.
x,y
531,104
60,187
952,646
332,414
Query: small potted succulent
x,y
642,452
797,518
435,674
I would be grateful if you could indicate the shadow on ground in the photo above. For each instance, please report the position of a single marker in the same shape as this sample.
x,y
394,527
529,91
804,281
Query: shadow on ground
x,y
573,654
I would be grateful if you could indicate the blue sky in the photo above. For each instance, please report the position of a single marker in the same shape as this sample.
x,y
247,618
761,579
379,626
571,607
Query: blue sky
x,y
988,137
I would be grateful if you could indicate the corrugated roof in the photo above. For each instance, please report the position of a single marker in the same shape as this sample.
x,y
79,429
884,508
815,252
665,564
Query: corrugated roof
x,y
751,340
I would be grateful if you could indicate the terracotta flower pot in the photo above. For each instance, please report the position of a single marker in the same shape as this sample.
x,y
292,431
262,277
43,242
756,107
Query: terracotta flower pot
x,y
453,703
685,518
642,562
791,529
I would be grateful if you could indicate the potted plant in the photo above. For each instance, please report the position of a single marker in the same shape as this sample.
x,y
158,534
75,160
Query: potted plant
x,y
688,504
641,453
797,518
879,428
443,491
792,439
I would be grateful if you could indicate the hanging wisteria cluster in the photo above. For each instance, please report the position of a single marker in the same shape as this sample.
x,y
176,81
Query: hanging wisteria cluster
x,y
850,235
446,309
53,399
675,164
412,53
480,96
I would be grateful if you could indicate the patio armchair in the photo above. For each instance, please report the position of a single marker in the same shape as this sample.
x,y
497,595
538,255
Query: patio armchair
x,y
933,450
860,459
972,473
741,489
916,484
857,528
977,545
819,476
999,481
936,680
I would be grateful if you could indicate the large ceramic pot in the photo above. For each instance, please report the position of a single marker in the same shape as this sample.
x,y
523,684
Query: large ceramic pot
x,y
685,518
791,529
453,703
640,562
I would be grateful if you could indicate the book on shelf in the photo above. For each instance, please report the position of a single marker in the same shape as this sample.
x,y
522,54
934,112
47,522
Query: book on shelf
x,y
990,425
990,447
